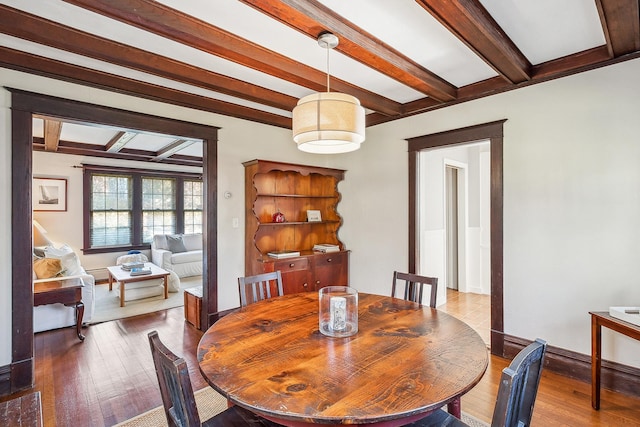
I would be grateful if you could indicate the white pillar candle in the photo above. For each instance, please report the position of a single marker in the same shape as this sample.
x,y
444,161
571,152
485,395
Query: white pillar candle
x,y
338,313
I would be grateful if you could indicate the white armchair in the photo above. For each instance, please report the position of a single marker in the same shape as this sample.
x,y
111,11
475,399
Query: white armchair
x,y
181,254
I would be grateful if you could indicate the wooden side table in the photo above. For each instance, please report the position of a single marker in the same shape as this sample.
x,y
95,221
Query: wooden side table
x,y
598,320
62,290
123,277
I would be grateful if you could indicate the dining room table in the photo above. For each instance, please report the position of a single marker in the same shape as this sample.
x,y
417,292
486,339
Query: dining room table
x,y
405,361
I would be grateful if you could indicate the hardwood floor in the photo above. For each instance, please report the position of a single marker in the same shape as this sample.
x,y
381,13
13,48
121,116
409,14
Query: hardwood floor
x,y
473,309
110,378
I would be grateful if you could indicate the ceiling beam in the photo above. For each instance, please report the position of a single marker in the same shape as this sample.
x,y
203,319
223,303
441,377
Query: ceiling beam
x,y
21,61
92,150
170,23
313,18
52,130
119,140
39,30
476,28
172,148
620,21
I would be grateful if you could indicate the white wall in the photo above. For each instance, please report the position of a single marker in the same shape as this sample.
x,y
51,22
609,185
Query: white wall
x,y
572,197
571,202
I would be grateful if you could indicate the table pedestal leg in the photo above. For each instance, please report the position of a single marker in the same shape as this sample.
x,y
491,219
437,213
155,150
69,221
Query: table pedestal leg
x,y
454,408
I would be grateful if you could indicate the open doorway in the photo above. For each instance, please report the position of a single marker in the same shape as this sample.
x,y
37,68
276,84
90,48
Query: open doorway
x,y
454,237
24,105
421,257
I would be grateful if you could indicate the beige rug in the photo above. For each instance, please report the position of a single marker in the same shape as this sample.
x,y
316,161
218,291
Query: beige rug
x,y
210,403
108,304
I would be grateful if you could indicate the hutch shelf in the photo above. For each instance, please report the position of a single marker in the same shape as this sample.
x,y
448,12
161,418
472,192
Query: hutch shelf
x,y
292,190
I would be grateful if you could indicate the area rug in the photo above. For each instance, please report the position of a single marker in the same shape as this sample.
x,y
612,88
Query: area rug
x,y
108,304
210,403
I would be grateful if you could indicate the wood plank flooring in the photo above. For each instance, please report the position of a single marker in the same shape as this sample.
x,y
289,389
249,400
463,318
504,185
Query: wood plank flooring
x,y
110,378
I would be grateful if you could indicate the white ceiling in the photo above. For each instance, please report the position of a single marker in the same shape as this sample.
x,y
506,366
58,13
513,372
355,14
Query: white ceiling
x,y
543,30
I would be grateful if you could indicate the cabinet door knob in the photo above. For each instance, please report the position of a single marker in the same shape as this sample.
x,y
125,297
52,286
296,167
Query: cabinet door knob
x,y
304,285
292,265
329,260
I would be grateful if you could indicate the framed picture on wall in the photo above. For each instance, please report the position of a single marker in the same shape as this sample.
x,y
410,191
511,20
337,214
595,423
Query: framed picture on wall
x,y
49,194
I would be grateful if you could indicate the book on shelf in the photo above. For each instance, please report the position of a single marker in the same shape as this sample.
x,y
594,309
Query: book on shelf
x,y
128,266
283,254
326,247
140,271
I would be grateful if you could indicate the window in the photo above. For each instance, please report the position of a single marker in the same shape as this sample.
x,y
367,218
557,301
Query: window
x,y
125,208
158,207
193,202
111,210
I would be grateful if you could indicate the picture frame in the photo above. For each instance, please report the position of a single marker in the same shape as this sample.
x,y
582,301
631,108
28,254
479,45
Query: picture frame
x,y
314,216
49,194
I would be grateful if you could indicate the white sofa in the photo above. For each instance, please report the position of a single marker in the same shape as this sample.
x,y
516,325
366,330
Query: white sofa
x,y
179,253
54,316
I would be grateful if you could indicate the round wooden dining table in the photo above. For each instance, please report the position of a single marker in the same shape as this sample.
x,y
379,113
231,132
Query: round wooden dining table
x,y
405,361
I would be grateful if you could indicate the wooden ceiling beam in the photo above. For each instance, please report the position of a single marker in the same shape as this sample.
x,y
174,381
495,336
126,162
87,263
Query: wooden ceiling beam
x,y
172,148
39,30
170,23
313,18
52,68
119,140
476,28
620,21
52,131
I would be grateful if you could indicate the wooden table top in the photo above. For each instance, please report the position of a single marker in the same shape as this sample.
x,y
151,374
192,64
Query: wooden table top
x,y
405,361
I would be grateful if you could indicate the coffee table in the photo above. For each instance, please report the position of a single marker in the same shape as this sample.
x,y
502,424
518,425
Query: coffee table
x,y
123,277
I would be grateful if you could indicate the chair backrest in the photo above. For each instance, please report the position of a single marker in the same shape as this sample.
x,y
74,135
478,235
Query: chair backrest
x,y
519,387
413,287
259,287
175,385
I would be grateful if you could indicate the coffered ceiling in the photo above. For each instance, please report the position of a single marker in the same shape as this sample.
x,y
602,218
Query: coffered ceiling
x,y
253,59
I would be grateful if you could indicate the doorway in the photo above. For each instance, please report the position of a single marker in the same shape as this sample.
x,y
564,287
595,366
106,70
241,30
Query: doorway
x,y
24,105
492,132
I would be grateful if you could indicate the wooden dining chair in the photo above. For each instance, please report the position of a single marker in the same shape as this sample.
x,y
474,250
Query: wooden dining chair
x,y
413,287
516,393
178,398
259,287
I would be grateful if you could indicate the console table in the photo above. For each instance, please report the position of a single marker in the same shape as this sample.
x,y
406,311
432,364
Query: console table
x,y
62,290
598,320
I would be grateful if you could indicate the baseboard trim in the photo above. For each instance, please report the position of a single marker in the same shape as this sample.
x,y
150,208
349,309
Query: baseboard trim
x,y
5,380
614,376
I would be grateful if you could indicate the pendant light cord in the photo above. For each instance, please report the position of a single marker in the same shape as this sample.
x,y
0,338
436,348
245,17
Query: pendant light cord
x,y
328,50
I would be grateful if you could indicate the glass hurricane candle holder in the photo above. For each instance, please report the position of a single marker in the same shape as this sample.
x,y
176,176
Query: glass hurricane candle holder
x,y
338,315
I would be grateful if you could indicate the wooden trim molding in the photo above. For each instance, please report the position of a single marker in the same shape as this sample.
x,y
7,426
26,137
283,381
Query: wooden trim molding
x,y
5,380
615,376
493,132
24,105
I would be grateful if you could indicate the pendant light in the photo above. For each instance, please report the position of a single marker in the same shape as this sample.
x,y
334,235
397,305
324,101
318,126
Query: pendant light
x,y
328,122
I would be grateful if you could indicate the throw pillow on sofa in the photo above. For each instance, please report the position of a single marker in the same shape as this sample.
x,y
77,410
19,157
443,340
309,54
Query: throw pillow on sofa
x,y
47,268
69,259
175,244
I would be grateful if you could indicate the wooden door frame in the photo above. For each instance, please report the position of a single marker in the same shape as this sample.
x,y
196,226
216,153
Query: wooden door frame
x,y
24,105
493,132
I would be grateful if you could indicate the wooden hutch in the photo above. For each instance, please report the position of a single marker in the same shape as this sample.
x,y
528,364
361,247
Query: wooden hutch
x,y
292,190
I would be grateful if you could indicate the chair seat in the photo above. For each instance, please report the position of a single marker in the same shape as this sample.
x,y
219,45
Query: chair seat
x,y
236,416
437,419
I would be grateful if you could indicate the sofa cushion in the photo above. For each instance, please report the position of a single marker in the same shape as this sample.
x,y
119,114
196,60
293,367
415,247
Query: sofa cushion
x,y
175,244
160,242
183,257
69,259
192,242
47,267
